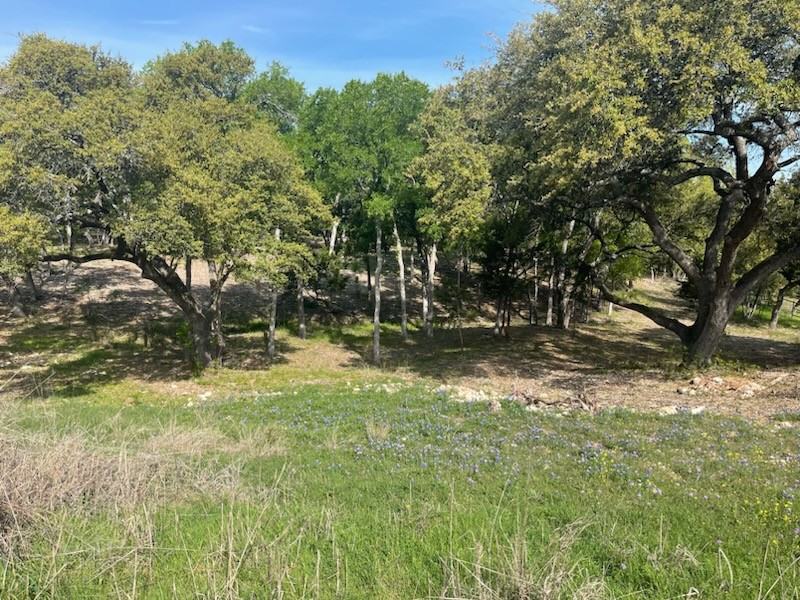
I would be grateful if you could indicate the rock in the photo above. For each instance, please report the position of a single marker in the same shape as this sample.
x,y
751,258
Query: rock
x,y
696,381
693,392
718,380
697,410
494,405
668,410
683,391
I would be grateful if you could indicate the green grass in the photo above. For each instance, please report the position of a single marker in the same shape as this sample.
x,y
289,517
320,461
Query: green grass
x,y
362,490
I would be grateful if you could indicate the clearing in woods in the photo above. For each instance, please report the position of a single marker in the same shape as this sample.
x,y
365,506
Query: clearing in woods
x,y
549,465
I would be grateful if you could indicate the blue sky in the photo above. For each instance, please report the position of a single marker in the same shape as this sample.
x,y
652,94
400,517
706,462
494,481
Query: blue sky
x,y
323,42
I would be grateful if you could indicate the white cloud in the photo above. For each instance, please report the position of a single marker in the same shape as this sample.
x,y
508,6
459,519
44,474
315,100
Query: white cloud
x,y
253,29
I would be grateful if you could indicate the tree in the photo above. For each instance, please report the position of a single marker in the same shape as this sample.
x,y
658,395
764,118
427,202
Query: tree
x,y
455,172
22,238
276,95
198,72
219,183
630,99
359,143
174,169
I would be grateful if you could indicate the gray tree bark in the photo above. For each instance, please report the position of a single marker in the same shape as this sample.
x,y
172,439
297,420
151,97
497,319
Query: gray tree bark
x,y
376,319
401,269
301,309
776,310
430,285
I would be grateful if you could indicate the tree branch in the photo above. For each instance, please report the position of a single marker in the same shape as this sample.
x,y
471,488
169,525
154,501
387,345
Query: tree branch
x,y
673,325
761,271
661,237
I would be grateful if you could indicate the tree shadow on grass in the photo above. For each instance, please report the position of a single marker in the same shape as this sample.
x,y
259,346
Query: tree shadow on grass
x,y
534,352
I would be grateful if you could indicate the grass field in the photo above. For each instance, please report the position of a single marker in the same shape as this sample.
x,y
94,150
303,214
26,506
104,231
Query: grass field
x,y
392,491
123,475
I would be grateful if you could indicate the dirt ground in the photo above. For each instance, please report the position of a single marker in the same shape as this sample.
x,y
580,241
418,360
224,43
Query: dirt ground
x,y
103,322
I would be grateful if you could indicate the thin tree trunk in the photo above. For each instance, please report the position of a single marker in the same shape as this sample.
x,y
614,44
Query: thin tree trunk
x,y
273,320
376,321
498,318
536,291
565,305
424,302
564,291
37,294
189,273
401,269
431,274
610,308
334,233
411,273
776,310
301,309
794,308
423,280
551,292
369,274
273,311
459,303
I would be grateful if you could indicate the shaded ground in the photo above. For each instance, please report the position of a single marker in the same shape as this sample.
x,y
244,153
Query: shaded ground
x,y
103,330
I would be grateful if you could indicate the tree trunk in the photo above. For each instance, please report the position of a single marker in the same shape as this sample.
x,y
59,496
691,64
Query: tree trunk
x,y
431,274
376,321
201,322
273,311
18,308
334,233
776,310
411,269
37,294
565,305
704,336
273,320
423,279
401,269
551,292
535,292
202,333
499,320
215,308
369,275
564,291
301,308
459,303
189,273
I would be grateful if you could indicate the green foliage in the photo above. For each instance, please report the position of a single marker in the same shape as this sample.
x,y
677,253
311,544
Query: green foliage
x,y
277,96
65,111
198,72
455,170
359,142
22,237
219,181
